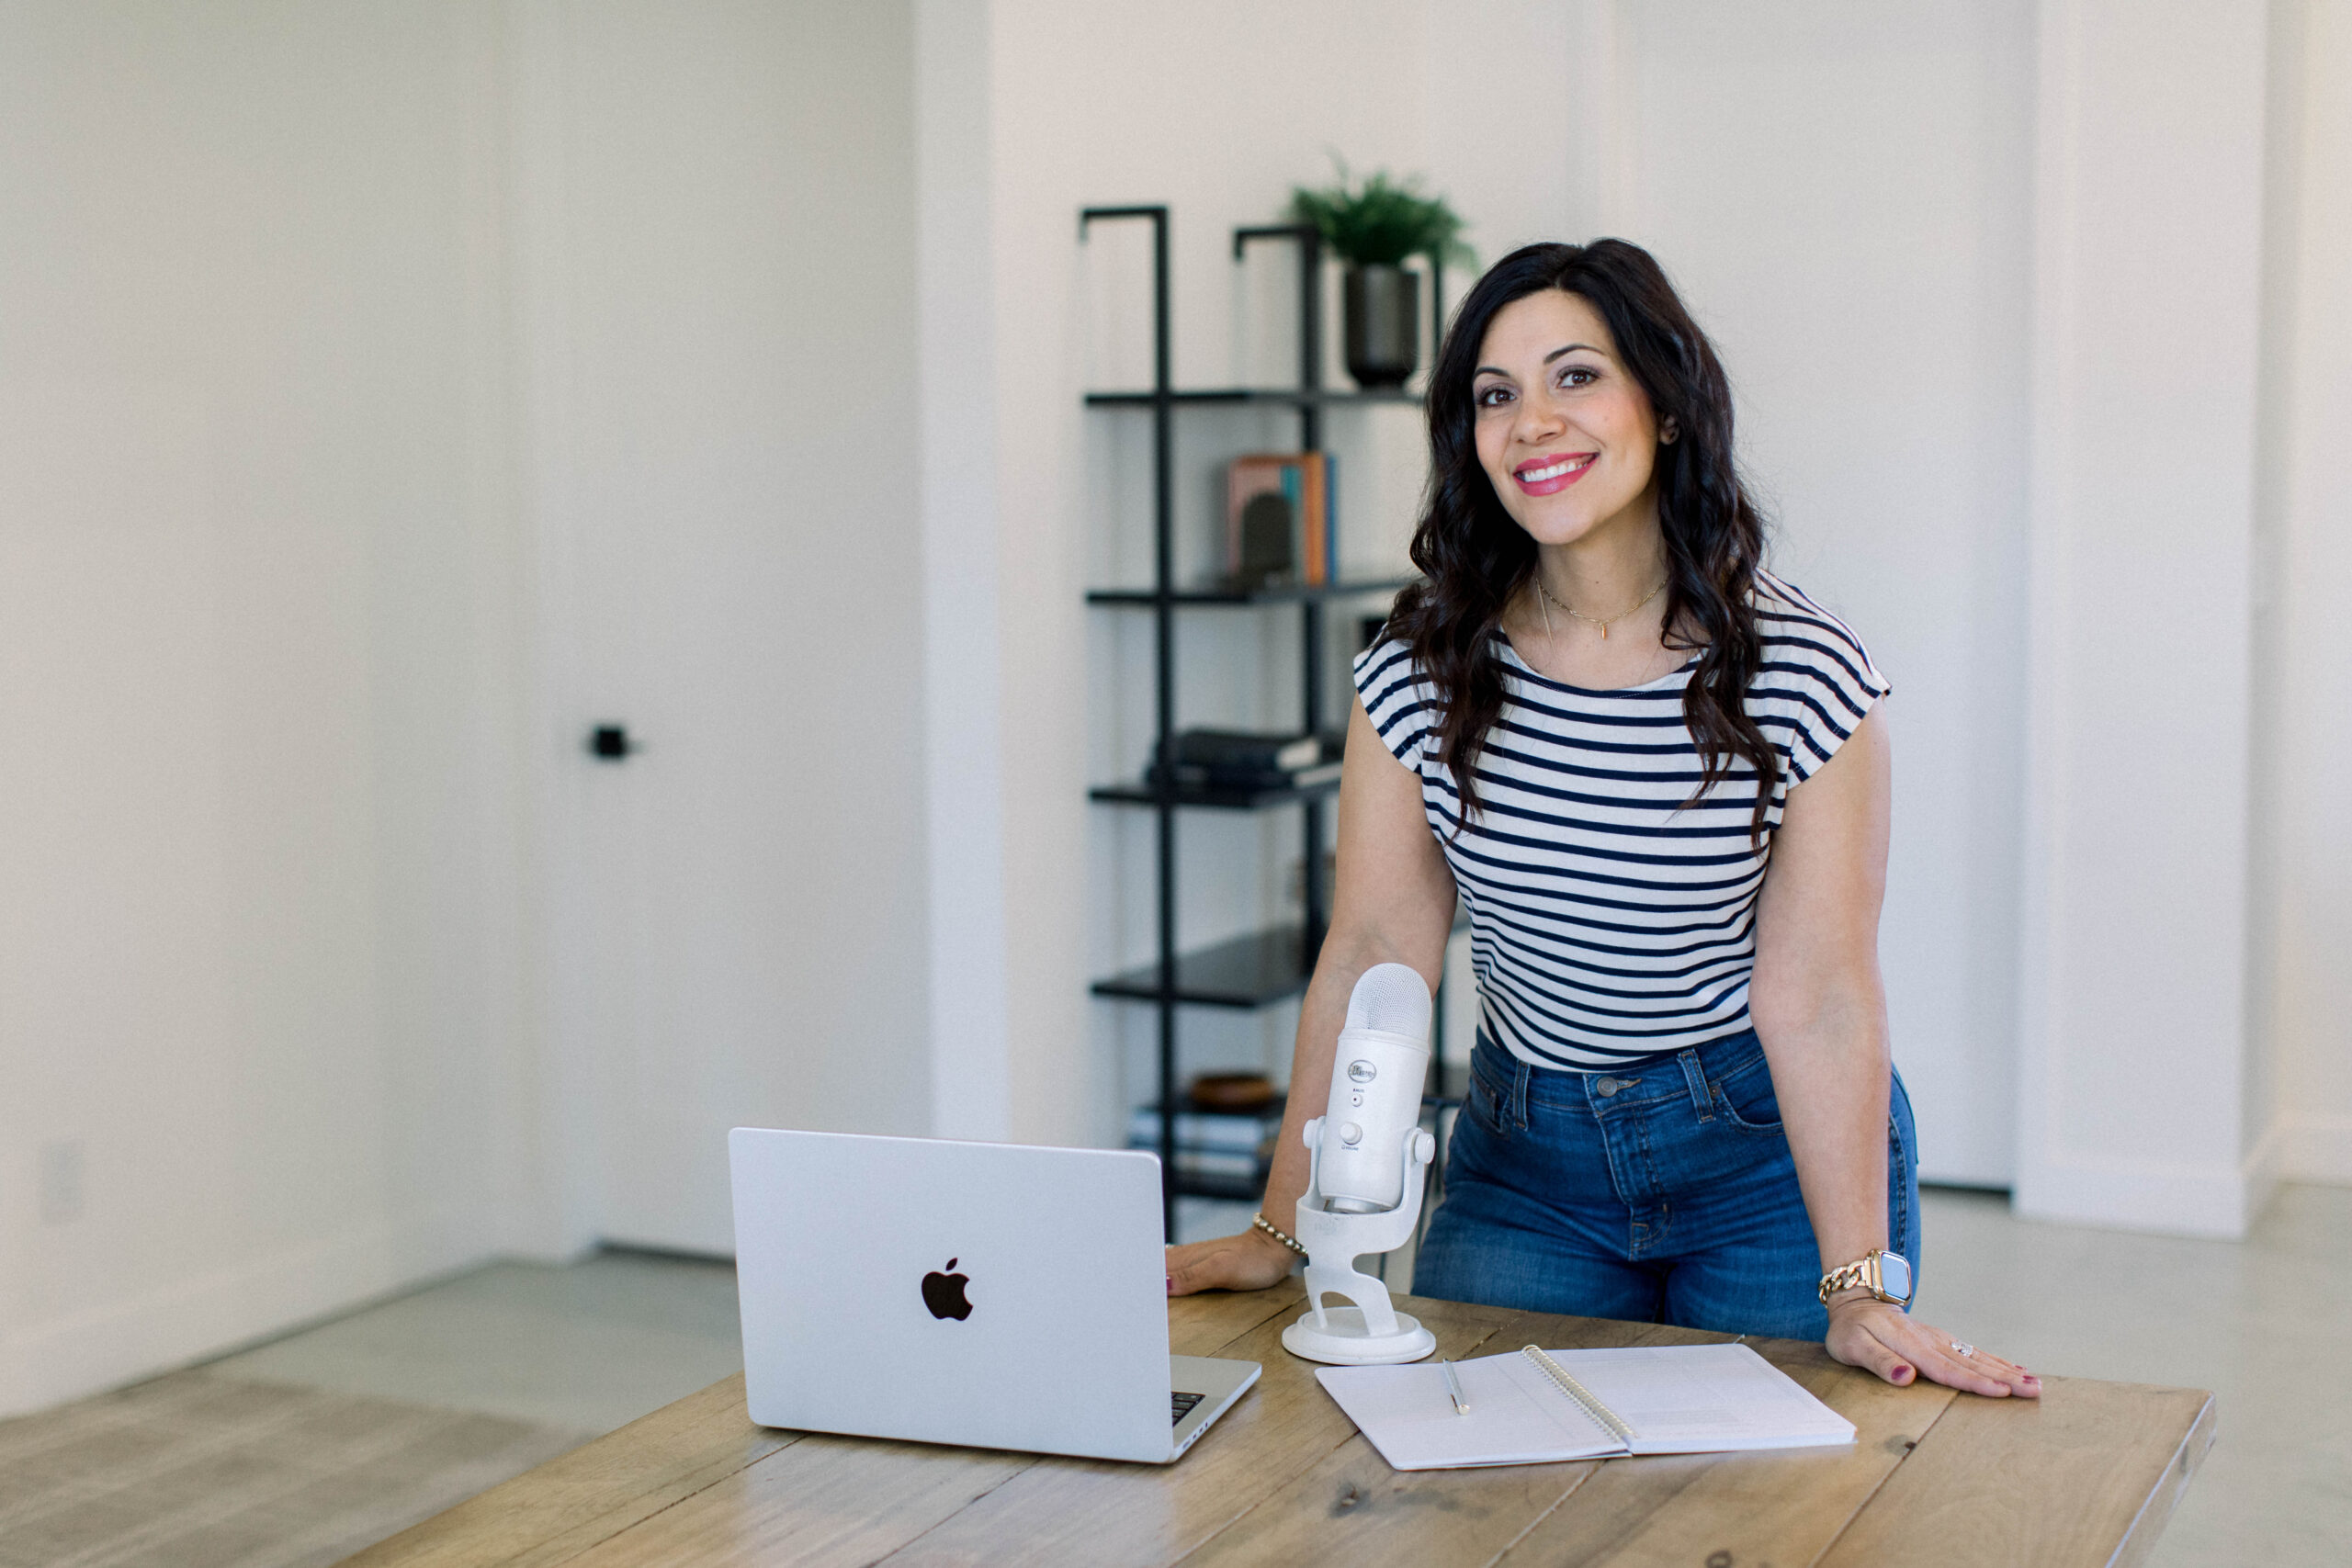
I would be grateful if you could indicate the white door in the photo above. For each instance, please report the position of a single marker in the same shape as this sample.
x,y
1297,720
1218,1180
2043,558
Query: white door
x,y
716,312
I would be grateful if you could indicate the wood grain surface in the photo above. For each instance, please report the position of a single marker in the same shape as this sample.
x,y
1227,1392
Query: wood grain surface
x,y
2087,1477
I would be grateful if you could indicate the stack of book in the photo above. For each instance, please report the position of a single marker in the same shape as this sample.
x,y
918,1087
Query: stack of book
x,y
1241,761
1229,1148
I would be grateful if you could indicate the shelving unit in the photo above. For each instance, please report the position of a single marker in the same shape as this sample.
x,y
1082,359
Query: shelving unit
x,y
1271,966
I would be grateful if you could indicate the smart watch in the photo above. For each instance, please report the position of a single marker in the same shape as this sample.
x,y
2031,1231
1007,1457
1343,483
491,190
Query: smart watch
x,y
1886,1275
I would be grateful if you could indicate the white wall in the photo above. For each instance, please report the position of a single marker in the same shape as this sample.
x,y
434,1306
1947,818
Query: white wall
x,y
254,669
2135,1050
2302,887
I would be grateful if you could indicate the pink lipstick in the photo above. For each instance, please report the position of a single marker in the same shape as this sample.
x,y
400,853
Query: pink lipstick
x,y
1554,472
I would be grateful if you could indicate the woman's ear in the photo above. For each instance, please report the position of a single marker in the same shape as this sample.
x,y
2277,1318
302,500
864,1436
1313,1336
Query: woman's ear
x,y
1667,431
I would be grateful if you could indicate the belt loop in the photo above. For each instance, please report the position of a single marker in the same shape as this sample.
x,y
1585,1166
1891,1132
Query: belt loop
x,y
1695,1076
1520,1076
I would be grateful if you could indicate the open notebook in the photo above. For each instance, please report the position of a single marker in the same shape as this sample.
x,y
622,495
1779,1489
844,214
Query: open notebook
x,y
1540,1406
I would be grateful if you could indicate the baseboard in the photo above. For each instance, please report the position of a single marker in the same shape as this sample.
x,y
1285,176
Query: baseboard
x,y
88,1352
2318,1148
2145,1195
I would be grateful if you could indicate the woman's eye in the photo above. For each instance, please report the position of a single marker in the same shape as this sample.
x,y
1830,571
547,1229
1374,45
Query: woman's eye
x,y
1578,376
1493,396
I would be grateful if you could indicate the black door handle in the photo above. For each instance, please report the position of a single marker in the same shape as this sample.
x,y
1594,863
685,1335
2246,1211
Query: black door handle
x,y
611,743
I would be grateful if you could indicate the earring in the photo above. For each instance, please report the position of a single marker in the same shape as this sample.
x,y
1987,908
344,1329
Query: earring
x,y
1669,430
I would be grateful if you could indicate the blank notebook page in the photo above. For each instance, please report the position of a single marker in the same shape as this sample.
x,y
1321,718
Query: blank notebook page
x,y
1693,1398
1517,1416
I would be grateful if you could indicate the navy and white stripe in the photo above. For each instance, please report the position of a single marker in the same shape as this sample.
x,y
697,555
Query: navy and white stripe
x,y
1611,926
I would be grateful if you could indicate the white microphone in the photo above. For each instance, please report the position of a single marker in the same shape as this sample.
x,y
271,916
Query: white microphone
x,y
1375,1101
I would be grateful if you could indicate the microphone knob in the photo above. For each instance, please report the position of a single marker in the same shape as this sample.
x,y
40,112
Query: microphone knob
x,y
1351,1134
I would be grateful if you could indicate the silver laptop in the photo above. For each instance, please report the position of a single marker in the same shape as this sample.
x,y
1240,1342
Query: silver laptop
x,y
988,1294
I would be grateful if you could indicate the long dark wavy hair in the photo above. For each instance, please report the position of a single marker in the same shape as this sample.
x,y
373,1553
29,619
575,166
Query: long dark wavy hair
x,y
1474,558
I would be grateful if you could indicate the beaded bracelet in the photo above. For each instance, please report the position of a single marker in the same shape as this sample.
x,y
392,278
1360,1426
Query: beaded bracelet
x,y
1263,1223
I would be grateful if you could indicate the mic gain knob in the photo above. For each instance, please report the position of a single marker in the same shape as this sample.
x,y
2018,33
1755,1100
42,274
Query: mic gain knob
x,y
1351,1134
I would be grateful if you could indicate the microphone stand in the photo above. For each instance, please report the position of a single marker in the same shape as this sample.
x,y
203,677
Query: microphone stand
x,y
1372,1331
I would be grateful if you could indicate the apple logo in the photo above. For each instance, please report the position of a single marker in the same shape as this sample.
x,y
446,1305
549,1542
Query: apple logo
x,y
943,1293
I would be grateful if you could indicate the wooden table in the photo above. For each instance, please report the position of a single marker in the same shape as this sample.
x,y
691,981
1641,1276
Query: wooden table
x,y
2088,1474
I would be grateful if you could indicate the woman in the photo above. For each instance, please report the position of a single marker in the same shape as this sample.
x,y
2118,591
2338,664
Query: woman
x,y
1657,776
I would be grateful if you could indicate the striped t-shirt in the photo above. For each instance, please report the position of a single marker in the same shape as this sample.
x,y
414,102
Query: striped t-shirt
x,y
1610,925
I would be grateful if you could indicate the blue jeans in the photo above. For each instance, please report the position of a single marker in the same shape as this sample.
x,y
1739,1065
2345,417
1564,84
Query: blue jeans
x,y
1663,1195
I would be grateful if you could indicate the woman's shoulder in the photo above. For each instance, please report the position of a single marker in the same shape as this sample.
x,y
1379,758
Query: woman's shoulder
x,y
1797,631
1816,681
1394,697
1387,664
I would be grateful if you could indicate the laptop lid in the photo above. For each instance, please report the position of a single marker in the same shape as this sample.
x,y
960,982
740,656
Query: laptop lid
x,y
988,1294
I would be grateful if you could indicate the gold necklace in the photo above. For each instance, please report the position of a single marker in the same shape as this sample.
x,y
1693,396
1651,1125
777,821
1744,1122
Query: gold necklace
x,y
1595,620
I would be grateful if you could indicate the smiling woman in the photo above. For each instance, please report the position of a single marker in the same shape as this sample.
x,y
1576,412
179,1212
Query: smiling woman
x,y
1655,776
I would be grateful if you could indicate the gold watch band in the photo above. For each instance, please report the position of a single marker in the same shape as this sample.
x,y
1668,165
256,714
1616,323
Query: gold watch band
x,y
1863,1271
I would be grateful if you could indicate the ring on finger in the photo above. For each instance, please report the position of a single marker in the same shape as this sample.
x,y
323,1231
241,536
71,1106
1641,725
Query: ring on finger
x,y
1961,1348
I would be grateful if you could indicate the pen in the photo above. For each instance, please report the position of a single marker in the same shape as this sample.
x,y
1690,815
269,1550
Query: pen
x,y
1453,1387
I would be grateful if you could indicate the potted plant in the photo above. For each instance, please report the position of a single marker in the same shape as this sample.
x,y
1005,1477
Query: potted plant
x,y
1376,228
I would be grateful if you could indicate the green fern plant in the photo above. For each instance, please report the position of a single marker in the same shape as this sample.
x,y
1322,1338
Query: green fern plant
x,y
1381,222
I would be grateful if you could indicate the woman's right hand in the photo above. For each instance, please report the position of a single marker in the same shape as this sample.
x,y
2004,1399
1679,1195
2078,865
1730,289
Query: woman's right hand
x,y
1251,1261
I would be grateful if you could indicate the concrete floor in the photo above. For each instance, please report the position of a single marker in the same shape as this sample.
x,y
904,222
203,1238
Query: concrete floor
x,y
590,1348
2266,1323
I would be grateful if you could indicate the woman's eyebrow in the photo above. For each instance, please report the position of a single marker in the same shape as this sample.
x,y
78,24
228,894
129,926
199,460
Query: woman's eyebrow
x,y
1568,348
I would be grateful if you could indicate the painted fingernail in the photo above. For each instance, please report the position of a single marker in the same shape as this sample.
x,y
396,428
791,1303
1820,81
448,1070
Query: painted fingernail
x,y
1172,1284
1901,1373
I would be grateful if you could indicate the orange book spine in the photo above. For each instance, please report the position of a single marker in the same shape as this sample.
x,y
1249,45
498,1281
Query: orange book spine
x,y
1315,498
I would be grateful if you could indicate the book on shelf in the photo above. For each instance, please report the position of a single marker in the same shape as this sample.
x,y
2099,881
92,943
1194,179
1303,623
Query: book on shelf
x,y
1247,748
1215,1164
1241,780
1221,1132
1278,523
1240,760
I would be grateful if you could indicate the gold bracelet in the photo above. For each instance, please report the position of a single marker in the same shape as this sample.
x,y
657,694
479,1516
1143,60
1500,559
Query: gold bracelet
x,y
1260,1222
1839,1279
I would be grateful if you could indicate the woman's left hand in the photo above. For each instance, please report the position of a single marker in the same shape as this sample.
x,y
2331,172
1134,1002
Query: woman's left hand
x,y
1867,1333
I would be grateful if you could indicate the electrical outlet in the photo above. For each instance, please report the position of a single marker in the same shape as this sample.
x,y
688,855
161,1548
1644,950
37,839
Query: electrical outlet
x,y
60,1181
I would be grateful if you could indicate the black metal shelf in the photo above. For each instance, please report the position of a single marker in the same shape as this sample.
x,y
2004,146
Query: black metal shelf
x,y
1269,397
1274,594
1141,794
1247,971
1231,1189
1264,966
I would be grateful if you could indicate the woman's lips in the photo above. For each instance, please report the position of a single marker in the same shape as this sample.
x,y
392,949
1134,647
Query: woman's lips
x,y
1550,475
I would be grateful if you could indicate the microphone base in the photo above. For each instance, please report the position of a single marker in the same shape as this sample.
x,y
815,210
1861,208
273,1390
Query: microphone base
x,y
1369,1330
1342,1339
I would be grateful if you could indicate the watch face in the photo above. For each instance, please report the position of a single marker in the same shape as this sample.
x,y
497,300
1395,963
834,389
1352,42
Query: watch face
x,y
1895,1276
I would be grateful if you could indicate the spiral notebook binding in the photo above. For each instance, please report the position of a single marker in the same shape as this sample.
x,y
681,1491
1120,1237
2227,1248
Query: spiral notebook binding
x,y
1608,1419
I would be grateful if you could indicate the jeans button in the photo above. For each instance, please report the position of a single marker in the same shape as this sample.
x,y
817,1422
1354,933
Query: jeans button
x,y
1607,1086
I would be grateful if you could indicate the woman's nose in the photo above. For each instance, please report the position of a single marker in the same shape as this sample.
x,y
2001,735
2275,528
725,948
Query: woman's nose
x,y
1539,418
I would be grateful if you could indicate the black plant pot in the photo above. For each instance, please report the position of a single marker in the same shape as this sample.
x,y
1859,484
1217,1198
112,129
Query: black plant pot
x,y
1382,305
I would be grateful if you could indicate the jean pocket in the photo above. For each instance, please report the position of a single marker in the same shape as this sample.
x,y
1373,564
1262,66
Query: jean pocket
x,y
1483,1104
1745,1101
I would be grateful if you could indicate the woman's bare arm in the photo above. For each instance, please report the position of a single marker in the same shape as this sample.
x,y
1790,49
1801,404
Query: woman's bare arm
x,y
1393,904
1820,1010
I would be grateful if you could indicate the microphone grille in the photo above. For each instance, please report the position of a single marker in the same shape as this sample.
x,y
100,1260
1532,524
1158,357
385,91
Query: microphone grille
x,y
1392,999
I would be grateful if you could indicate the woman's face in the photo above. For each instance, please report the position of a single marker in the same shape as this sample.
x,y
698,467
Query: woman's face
x,y
1565,433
